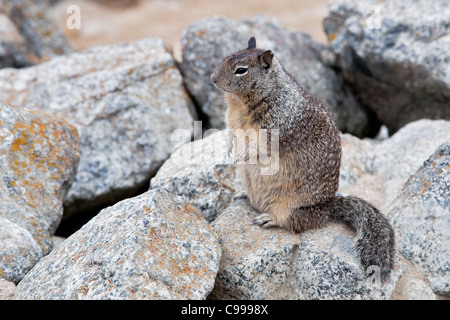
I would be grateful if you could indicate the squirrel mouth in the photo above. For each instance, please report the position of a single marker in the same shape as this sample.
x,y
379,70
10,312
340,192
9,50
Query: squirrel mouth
x,y
214,81
214,78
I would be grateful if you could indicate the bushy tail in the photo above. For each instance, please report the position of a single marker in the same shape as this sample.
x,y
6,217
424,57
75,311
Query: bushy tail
x,y
375,242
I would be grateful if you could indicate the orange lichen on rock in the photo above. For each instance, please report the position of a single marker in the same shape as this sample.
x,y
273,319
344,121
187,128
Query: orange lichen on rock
x,y
38,149
41,154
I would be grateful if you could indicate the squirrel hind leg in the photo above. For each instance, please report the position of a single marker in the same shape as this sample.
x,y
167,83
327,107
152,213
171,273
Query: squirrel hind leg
x,y
297,220
276,215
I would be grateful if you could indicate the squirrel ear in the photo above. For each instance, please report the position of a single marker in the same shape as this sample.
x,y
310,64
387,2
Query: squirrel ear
x,y
266,59
252,43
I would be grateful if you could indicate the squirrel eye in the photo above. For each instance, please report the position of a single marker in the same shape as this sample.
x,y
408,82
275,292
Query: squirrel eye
x,y
241,71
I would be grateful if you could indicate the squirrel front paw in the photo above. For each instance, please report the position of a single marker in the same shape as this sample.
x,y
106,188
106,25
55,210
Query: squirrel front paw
x,y
265,220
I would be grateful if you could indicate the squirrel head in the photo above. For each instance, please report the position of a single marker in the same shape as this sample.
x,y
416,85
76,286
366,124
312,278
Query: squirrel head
x,y
246,72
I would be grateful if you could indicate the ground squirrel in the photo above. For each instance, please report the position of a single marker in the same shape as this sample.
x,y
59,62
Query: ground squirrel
x,y
260,94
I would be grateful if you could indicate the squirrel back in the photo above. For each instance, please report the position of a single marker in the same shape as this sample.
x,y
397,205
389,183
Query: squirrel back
x,y
260,94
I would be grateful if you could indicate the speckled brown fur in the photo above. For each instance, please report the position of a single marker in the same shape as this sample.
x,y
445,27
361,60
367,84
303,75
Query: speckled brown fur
x,y
260,94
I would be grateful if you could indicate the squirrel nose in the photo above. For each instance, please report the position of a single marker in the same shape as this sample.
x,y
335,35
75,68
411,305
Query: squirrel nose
x,y
214,77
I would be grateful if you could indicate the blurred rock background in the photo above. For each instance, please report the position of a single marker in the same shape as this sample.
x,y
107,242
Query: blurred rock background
x,y
112,21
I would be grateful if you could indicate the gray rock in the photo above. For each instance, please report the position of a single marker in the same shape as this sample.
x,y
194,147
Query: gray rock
x,y
154,246
202,173
39,155
398,157
421,219
56,240
395,54
6,289
19,252
412,285
262,263
357,159
27,34
418,290
125,100
206,42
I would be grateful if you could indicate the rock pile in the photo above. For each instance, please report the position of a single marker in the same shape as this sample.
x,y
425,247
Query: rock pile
x,y
125,100
154,246
38,158
394,55
292,264
87,130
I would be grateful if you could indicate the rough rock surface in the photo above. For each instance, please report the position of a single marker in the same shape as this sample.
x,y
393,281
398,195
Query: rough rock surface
x,y
399,157
6,289
19,251
416,289
27,34
357,159
125,101
318,264
154,246
202,173
207,42
38,159
395,54
421,219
